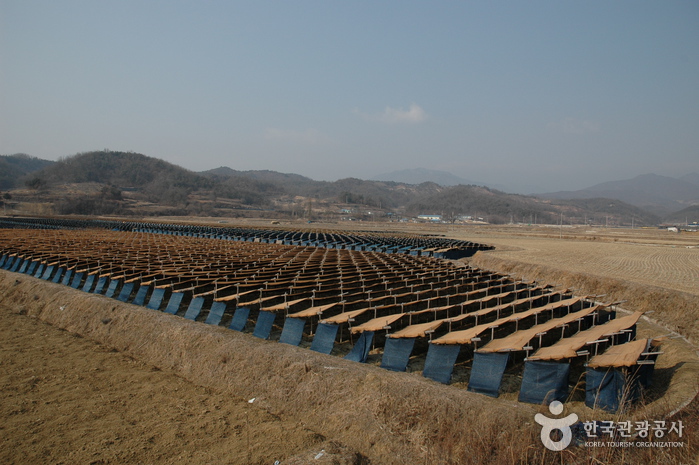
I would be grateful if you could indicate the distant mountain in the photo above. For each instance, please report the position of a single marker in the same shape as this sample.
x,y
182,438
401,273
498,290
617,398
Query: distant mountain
x,y
691,178
384,194
420,175
14,167
110,182
659,194
684,216
266,176
499,207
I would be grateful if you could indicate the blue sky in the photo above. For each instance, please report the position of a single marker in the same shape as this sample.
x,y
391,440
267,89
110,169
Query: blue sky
x,y
526,95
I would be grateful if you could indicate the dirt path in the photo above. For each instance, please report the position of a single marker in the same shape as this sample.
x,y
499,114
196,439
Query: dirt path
x,y
67,400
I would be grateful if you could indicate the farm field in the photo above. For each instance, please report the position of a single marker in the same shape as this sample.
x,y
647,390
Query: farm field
x,y
631,260
655,258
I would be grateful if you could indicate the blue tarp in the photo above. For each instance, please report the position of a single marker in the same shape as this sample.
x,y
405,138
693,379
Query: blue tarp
x,y
263,327
292,333
324,340
38,271
125,293
100,285
30,269
59,274
88,283
23,265
396,353
140,298
67,277
216,313
486,372
77,277
174,304
47,273
194,308
603,389
608,388
544,381
240,318
440,360
156,299
17,264
111,289
360,351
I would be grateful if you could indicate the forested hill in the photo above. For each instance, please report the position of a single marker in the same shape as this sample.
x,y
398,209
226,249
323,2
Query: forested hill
x,y
14,167
124,169
500,207
224,191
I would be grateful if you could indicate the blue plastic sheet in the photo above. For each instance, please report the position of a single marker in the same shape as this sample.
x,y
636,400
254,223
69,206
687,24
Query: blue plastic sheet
x,y
324,340
440,360
67,277
194,308
544,381
111,289
46,275
59,274
77,278
486,372
216,313
140,298
22,266
174,304
603,389
17,264
608,389
360,351
292,333
396,353
39,271
88,283
156,299
100,285
125,293
263,327
7,262
30,269
240,318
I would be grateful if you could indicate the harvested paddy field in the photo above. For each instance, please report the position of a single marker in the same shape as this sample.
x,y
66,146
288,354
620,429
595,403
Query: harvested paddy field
x,y
369,413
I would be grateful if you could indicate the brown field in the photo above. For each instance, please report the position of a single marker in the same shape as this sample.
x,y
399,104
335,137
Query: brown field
x,y
159,389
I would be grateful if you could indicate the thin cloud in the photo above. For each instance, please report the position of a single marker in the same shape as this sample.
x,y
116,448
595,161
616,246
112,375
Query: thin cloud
x,y
308,137
414,114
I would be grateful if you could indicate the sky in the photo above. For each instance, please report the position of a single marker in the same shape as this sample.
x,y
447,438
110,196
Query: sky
x,y
529,96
